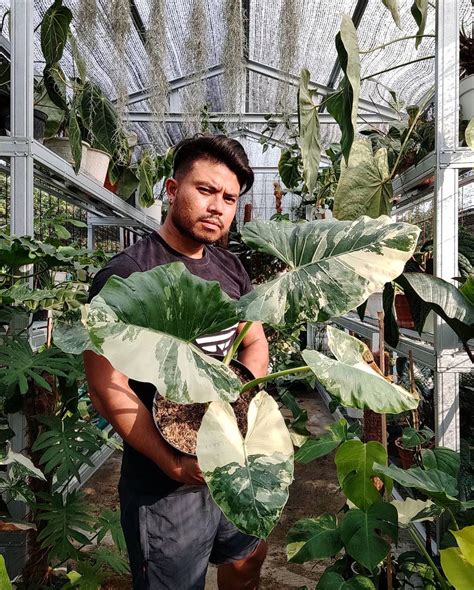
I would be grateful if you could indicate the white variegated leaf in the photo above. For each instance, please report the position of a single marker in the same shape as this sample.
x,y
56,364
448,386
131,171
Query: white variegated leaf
x,y
411,510
13,457
247,477
333,266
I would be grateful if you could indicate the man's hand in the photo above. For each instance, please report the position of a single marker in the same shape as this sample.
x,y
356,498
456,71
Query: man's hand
x,y
185,469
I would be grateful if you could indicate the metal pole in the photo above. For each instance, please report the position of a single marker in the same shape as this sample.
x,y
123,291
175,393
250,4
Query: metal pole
x,y
21,104
446,213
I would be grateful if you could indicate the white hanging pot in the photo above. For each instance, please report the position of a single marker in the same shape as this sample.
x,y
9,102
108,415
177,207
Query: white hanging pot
x,y
466,97
97,164
62,147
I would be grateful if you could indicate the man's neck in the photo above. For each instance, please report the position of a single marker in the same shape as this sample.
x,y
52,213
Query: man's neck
x,y
182,244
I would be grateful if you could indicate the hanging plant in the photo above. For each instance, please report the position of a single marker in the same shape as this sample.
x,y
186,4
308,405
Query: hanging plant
x,y
119,24
233,56
289,33
87,20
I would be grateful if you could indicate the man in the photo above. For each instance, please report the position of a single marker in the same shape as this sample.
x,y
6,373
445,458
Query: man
x,y
173,530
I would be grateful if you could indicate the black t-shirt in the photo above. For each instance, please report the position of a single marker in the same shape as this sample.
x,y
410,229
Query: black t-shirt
x,y
216,265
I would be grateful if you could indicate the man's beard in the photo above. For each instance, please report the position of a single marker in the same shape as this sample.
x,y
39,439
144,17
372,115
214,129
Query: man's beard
x,y
187,231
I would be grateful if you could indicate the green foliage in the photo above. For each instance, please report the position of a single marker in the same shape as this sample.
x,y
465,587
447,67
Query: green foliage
x,y
320,446
55,31
313,538
443,459
109,521
392,5
334,581
5,583
289,168
412,438
419,10
309,130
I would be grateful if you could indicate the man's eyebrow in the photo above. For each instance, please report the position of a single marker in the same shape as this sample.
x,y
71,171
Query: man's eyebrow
x,y
216,187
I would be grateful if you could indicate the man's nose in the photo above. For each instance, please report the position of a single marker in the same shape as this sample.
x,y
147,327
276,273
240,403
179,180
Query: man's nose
x,y
216,204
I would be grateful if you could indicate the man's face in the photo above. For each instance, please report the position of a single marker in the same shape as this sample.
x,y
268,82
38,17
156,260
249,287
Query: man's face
x,y
204,201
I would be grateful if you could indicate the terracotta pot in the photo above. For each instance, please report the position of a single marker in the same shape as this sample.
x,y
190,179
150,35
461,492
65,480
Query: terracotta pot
x,y
407,456
109,186
402,308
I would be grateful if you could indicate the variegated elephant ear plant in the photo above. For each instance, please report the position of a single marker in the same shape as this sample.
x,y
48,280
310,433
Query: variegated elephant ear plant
x,y
146,326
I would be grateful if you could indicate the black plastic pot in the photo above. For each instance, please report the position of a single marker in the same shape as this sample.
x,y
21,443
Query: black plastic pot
x,y
39,120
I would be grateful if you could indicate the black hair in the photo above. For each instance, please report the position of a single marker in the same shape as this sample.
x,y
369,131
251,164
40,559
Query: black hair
x,y
217,148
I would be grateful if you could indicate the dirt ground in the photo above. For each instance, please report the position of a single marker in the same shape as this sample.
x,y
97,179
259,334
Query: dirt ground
x,y
313,492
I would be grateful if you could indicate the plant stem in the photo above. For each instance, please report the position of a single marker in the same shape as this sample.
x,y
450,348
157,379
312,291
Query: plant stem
x,y
396,67
395,41
233,349
427,556
255,382
453,520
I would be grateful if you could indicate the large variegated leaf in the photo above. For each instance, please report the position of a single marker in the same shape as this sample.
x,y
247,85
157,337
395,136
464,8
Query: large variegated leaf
x,y
333,266
310,140
410,510
145,326
247,477
352,381
365,185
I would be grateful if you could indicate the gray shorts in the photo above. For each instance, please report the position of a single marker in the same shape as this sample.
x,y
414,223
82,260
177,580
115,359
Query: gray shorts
x,y
171,539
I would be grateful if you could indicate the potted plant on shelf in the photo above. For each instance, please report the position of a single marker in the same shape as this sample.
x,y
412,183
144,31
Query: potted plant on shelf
x,y
466,84
410,443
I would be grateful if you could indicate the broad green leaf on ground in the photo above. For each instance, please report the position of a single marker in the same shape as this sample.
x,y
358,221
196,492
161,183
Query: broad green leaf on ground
x,y
445,300
153,342
5,583
314,448
354,463
392,5
344,104
458,562
13,457
365,185
55,31
247,477
443,459
289,169
469,134
334,581
437,485
309,130
419,10
313,538
352,381
410,510
365,534
465,540
333,266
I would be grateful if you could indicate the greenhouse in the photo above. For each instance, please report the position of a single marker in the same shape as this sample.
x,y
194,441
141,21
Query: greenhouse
x,y
237,294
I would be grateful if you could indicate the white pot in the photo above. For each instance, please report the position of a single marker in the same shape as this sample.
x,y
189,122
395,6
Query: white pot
x,y
97,164
466,97
62,147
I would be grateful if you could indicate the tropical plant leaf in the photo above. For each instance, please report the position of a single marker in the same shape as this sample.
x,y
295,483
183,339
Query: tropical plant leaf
x,y
465,540
154,343
457,568
55,31
109,521
13,458
365,185
344,104
352,381
146,179
333,266
391,331
313,538
392,5
469,134
67,520
5,583
354,463
289,169
467,288
410,510
99,117
54,81
88,576
247,477
309,130
419,10
334,581
75,139
444,299
111,560
364,534
314,448
443,459
412,438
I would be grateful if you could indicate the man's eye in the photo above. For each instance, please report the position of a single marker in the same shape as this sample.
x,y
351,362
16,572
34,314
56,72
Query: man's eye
x,y
230,199
204,189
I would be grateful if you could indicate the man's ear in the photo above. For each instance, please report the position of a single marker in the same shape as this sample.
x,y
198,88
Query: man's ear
x,y
171,188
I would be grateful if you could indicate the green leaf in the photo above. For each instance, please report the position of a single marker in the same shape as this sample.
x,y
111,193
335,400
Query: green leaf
x,y
364,534
54,81
109,521
457,568
344,104
99,117
437,485
155,343
313,538
352,381
13,458
354,462
5,583
314,448
443,459
392,5
127,184
61,231
391,331
247,477
75,139
469,134
467,288
465,540
146,179
365,185
309,130
55,31
334,581
289,169
419,10
410,510
412,438
333,266
445,300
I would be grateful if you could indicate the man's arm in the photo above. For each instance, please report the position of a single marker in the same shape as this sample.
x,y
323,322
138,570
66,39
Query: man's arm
x,y
253,351
117,402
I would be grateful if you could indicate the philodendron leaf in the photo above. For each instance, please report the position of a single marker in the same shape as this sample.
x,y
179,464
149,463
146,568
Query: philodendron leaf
x,y
443,459
364,534
334,581
465,540
354,462
333,266
247,477
343,105
392,5
13,458
352,381
365,185
410,510
314,448
289,169
153,341
310,139
313,538
445,300
55,31
419,10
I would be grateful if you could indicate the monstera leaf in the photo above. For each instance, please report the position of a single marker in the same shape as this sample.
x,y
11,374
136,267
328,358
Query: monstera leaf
x,y
153,342
247,477
365,185
333,266
352,381
310,140
313,538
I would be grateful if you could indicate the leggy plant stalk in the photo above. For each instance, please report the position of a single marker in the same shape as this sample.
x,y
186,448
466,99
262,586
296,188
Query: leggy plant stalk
x,y
427,556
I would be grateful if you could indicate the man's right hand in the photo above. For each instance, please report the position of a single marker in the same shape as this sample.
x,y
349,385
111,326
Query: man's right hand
x,y
186,470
